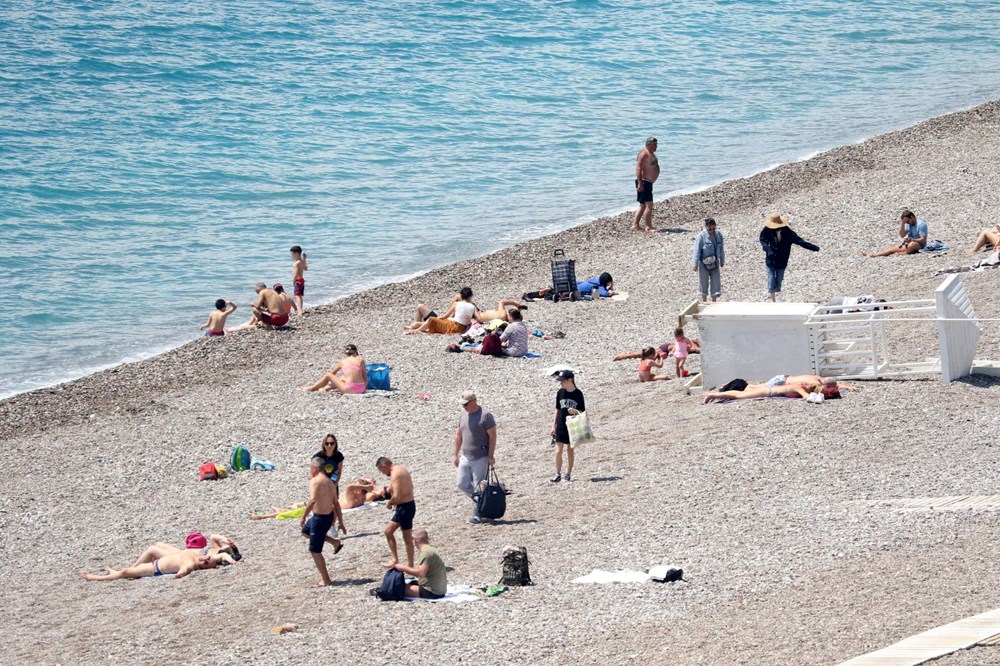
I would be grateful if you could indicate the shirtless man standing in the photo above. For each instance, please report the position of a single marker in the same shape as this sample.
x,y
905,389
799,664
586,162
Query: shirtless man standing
x,y
324,506
180,563
401,492
647,170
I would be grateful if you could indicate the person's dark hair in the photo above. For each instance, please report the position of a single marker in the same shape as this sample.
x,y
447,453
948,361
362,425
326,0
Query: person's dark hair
x,y
330,435
678,332
605,279
709,221
465,293
907,215
220,304
351,350
648,352
296,249
279,289
382,462
515,315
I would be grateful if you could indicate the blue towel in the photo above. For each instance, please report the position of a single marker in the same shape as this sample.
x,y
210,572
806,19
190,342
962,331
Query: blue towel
x,y
532,355
934,246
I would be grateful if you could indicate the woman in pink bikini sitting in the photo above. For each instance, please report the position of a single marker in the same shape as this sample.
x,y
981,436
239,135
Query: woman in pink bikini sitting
x,y
353,377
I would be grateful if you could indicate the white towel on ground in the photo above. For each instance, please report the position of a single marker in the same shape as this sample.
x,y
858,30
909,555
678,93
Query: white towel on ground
x,y
624,576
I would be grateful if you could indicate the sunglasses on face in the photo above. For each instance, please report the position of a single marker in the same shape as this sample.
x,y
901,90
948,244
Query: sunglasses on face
x,y
329,443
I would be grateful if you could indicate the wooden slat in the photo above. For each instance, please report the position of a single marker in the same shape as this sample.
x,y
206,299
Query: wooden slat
x,y
935,642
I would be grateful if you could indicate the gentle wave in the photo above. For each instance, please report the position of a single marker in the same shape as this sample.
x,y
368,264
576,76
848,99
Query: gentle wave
x,y
155,157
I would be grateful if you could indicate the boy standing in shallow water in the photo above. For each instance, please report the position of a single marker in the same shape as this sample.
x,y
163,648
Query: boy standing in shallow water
x,y
299,267
216,324
324,506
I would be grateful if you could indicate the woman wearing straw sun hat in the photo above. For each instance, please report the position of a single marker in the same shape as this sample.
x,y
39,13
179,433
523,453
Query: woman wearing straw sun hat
x,y
777,239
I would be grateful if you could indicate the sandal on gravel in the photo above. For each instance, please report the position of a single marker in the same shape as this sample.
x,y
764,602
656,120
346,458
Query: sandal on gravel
x,y
339,547
556,479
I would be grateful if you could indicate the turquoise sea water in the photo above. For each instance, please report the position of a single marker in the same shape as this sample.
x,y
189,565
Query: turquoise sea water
x,y
157,156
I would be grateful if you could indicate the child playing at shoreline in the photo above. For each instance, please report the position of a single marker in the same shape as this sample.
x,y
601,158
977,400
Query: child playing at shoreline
x,y
646,365
569,401
216,323
681,347
299,267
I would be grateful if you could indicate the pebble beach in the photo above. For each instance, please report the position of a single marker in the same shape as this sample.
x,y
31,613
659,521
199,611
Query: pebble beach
x,y
768,506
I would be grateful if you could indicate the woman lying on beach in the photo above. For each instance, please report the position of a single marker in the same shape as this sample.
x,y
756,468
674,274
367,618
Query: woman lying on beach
x,y
455,321
763,391
986,237
791,386
663,351
504,309
161,559
362,491
353,377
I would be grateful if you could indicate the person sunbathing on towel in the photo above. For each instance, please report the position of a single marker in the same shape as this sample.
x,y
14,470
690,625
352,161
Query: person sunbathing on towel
x,y
349,375
362,492
791,390
986,237
180,563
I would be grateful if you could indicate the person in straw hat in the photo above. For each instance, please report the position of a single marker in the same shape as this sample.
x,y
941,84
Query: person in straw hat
x,y
777,239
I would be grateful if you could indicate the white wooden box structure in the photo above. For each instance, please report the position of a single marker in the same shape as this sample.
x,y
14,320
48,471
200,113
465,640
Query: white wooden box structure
x,y
753,340
756,341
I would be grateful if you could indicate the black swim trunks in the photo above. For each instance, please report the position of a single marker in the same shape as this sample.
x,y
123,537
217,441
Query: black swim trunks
x,y
317,528
404,514
645,195
430,314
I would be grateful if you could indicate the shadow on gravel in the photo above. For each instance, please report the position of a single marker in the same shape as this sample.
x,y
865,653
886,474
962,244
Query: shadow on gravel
x,y
358,535
605,479
979,381
672,230
520,521
353,581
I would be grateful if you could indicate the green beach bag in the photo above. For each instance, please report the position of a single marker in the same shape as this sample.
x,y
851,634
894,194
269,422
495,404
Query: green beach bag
x,y
239,461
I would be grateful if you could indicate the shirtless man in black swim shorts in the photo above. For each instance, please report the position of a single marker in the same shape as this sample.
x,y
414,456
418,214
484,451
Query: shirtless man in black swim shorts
x,y
647,170
401,501
180,564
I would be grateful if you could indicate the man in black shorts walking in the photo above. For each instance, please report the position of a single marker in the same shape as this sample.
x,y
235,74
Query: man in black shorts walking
x,y
401,500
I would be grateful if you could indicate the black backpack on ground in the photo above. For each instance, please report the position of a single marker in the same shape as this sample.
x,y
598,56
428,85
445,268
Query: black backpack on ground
x,y
393,586
492,501
515,566
563,277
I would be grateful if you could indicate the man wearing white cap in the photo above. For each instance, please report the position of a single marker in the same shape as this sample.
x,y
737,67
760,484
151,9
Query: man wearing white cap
x,y
475,445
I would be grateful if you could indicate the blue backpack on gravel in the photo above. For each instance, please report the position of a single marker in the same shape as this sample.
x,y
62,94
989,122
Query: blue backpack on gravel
x,y
239,461
392,587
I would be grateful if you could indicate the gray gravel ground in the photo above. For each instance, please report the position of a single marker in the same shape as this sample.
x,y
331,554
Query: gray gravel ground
x,y
756,501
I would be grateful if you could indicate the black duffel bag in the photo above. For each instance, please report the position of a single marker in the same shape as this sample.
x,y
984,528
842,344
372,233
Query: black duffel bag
x,y
492,502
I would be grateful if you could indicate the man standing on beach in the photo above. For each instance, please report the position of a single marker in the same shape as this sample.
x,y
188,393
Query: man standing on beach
x,y
324,507
475,445
401,499
647,170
